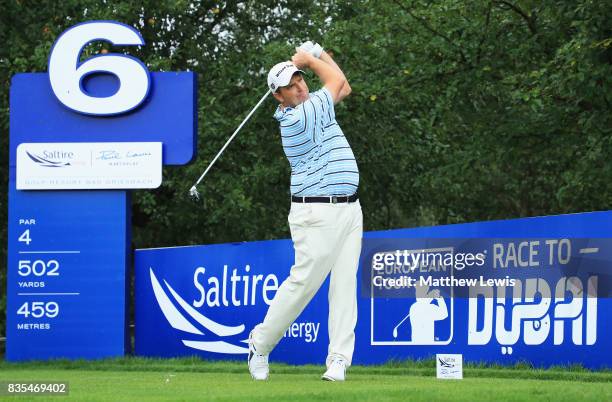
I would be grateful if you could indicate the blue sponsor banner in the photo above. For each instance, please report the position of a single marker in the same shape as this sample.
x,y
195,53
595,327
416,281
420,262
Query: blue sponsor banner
x,y
205,299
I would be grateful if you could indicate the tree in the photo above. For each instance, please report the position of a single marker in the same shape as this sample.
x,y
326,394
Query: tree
x,y
461,111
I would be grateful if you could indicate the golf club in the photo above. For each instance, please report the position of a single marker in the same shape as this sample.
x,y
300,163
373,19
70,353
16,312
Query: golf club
x,y
193,192
400,323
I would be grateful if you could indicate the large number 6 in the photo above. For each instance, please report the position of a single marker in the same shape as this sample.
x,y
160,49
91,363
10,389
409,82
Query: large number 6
x,y
66,73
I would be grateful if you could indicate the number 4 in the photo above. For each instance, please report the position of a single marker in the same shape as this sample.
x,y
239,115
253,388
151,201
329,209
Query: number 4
x,y
25,237
23,310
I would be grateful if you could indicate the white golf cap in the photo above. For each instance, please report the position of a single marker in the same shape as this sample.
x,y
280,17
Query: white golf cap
x,y
280,75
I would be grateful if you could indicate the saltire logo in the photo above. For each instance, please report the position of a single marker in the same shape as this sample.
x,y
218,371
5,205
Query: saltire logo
x,y
46,162
179,319
445,364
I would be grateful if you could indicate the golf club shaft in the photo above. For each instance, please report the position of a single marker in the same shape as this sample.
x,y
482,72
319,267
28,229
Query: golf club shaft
x,y
232,137
401,322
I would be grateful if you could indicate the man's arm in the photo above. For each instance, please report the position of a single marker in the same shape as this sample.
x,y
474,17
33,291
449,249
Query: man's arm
x,y
333,78
346,88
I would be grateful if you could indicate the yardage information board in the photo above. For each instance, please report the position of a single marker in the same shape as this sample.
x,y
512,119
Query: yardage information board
x,y
66,277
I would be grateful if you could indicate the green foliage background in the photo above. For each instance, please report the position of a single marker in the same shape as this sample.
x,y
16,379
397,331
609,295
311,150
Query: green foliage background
x,y
461,110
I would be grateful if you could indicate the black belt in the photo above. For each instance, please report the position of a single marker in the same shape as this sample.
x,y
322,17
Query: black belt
x,y
335,199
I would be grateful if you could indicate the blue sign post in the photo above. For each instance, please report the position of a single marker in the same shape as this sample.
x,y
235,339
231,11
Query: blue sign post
x,y
68,262
69,252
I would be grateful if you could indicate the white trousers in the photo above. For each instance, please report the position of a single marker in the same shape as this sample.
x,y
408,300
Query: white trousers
x,y
326,238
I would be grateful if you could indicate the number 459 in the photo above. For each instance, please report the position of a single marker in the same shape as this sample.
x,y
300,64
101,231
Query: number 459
x,y
39,309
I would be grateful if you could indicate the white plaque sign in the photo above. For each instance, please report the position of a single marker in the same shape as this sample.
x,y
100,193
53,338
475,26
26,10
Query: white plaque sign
x,y
449,366
89,165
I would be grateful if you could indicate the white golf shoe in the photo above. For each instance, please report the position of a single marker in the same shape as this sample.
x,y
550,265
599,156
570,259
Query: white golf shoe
x,y
258,363
336,371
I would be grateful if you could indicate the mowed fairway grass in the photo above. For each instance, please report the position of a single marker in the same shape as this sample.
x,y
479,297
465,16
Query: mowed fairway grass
x,y
134,379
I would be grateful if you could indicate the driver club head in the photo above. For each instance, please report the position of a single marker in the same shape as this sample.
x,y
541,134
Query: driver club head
x,y
193,193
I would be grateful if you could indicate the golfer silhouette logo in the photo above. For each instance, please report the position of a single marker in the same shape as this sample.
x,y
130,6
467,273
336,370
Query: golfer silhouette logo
x,y
428,308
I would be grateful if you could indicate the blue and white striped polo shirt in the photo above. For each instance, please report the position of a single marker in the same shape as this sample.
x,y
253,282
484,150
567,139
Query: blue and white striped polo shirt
x,y
321,159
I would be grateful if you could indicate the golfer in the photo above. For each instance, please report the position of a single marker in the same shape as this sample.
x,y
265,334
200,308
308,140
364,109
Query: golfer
x,y
325,218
